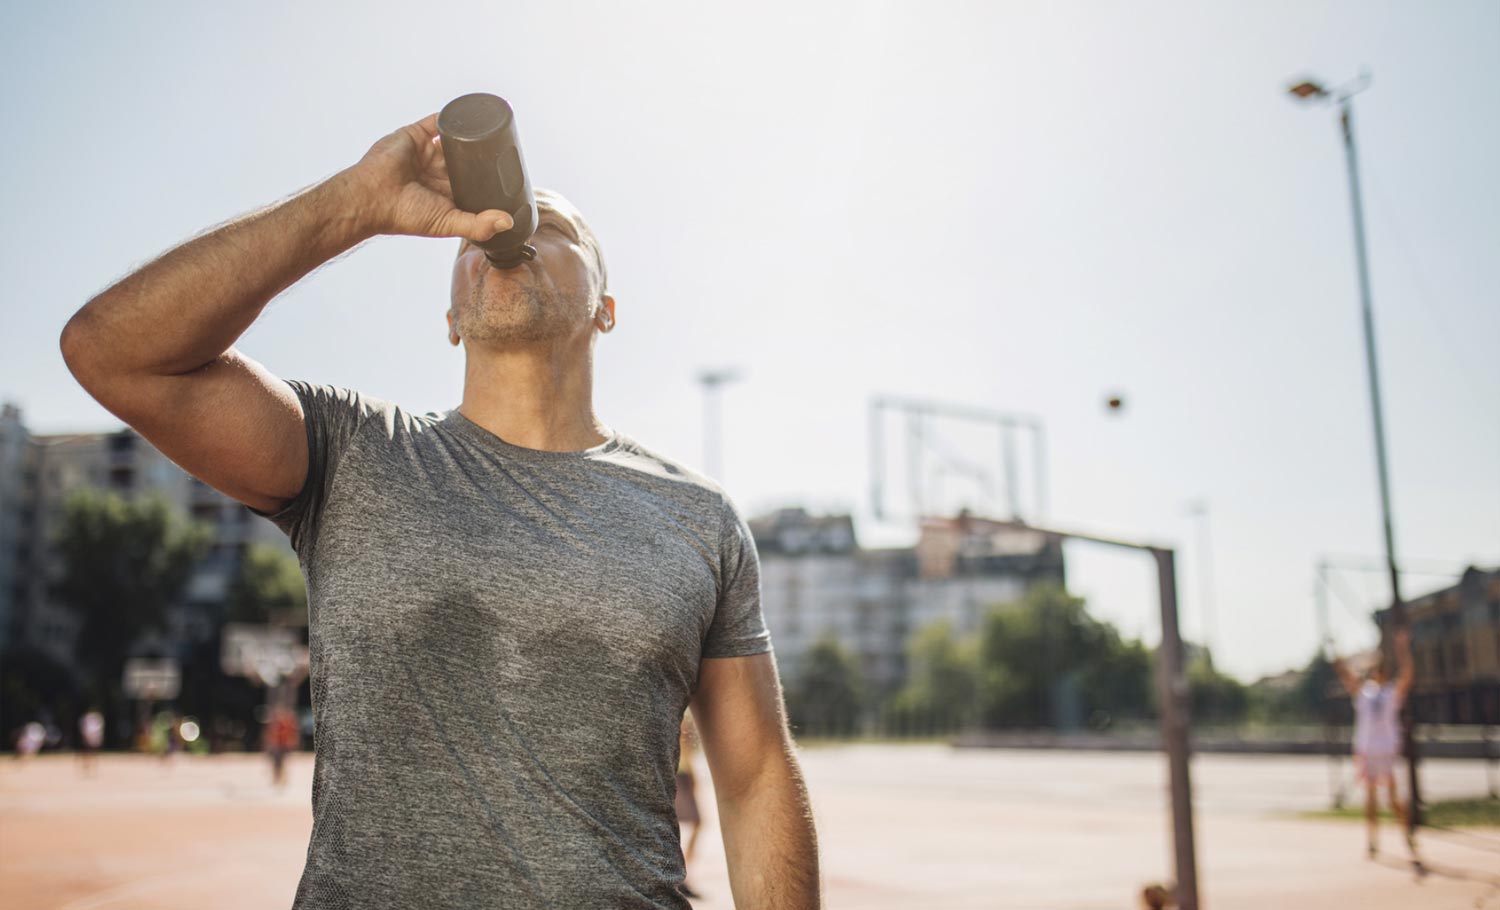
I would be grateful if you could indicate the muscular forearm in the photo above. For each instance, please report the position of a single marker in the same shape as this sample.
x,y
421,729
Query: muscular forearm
x,y
187,307
771,844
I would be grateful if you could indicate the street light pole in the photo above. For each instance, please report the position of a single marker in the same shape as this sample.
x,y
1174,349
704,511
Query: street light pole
x,y
712,381
1198,509
1344,97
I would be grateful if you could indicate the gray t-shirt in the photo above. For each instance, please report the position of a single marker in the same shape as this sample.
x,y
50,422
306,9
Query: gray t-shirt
x,y
503,643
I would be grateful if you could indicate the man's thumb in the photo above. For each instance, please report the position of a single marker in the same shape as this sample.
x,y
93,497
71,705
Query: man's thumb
x,y
484,225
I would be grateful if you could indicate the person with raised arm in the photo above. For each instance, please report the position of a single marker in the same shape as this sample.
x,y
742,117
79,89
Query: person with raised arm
x,y
1377,703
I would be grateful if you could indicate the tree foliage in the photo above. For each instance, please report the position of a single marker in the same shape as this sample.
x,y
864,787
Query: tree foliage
x,y
268,587
829,695
1048,663
1311,695
123,564
939,693
1214,697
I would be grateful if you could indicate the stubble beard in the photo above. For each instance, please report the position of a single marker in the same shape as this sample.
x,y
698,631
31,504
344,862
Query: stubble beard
x,y
524,314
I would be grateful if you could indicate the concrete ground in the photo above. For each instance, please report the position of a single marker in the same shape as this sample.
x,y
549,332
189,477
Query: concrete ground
x,y
899,826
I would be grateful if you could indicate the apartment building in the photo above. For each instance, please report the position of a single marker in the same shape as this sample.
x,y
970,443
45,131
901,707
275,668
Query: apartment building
x,y
1455,643
38,471
817,581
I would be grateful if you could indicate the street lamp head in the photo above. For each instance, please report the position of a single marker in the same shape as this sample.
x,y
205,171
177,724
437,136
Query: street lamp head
x,y
1309,90
714,378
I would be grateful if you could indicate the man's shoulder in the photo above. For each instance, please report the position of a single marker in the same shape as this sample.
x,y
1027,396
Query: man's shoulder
x,y
359,407
671,475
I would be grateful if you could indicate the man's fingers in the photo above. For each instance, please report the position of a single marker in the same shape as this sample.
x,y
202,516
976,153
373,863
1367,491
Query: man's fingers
x,y
428,125
479,227
438,183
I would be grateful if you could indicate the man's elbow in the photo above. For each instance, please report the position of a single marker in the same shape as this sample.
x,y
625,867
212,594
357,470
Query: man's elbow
x,y
92,358
78,346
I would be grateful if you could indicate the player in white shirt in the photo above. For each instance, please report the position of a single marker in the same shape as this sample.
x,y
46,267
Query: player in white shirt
x,y
1377,732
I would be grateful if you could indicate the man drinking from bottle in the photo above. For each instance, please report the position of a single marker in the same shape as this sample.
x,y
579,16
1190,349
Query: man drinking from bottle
x,y
510,602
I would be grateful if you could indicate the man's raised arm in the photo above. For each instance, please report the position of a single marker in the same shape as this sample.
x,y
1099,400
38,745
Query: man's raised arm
x,y
156,348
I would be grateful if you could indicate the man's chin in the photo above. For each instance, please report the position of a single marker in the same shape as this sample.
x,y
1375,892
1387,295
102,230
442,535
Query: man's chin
x,y
521,271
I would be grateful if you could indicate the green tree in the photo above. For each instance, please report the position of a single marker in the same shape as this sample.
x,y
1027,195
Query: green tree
x,y
123,563
1031,653
939,693
829,692
268,587
1045,662
33,683
1120,683
1312,694
1215,697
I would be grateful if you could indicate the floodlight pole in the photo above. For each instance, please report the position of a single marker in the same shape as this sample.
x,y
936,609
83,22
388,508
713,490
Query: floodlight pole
x,y
1344,97
713,381
1175,707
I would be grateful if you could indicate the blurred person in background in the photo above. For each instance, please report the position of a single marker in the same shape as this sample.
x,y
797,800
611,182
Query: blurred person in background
x,y
29,739
281,734
163,736
477,573
1377,734
90,739
686,803
281,738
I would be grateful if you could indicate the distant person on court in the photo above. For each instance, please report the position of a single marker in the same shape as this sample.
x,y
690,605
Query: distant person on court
x,y
474,573
687,798
29,739
282,732
281,737
1377,733
90,739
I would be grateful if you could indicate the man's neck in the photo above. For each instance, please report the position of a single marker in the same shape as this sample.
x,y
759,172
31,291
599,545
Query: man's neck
x,y
536,397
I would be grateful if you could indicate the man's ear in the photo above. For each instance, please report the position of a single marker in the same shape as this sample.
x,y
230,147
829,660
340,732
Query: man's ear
x,y
453,338
604,320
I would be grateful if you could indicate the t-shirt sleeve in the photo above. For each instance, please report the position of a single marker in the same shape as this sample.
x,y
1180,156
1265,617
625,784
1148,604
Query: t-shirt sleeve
x,y
739,626
331,416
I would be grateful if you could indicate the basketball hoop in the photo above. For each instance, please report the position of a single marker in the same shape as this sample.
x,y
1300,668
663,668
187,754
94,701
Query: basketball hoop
x,y
152,680
266,655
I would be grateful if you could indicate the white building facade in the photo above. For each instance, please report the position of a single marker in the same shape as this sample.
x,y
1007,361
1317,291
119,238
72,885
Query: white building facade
x,y
817,582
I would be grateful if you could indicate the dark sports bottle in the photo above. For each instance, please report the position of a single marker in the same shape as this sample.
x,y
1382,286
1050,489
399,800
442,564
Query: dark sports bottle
x,y
486,171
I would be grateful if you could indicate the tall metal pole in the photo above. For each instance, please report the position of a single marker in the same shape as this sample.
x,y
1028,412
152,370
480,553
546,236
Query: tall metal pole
x,y
712,381
711,464
877,461
1205,574
1039,443
1175,721
1398,605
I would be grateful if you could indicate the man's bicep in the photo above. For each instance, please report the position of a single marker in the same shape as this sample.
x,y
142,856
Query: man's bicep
x,y
232,424
740,717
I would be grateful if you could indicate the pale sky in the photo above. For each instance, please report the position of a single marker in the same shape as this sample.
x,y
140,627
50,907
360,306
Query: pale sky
x,y
1023,207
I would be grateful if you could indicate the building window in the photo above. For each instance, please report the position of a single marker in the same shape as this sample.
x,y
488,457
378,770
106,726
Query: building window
x,y
206,511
